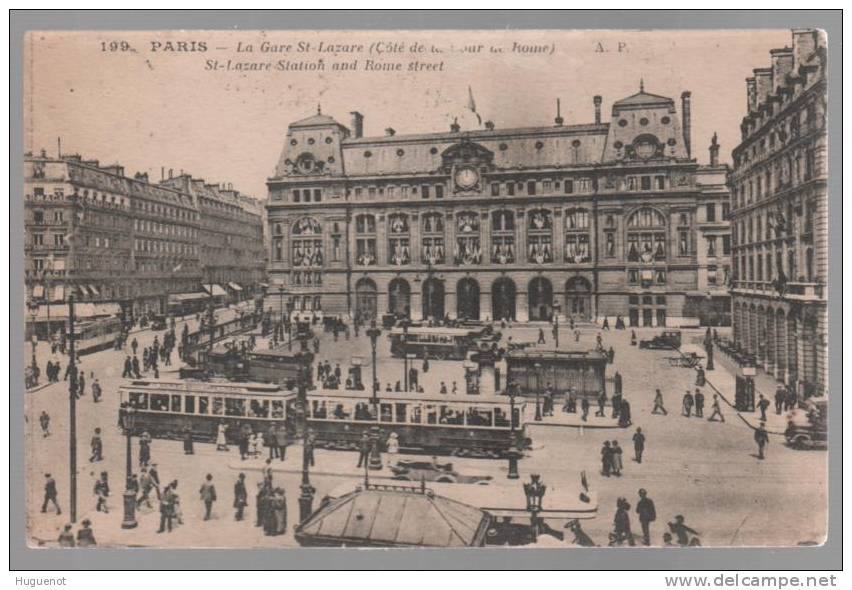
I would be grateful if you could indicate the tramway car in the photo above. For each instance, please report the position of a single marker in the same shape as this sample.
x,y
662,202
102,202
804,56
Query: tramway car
x,y
476,426
98,334
437,342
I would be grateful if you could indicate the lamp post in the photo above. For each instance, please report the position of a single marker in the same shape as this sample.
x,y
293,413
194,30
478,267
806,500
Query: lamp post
x,y
281,303
306,497
537,392
129,521
513,453
708,346
534,491
556,309
375,460
33,307
288,323
373,333
72,409
405,358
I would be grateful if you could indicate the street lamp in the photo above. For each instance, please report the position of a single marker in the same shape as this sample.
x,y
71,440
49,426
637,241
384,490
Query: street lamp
x,y
306,497
537,392
373,333
513,453
405,358
288,323
72,409
534,492
33,307
375,460
708,345
128,423
556,309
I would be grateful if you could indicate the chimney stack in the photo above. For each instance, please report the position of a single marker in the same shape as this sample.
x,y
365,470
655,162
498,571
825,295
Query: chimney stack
x,y
686,116
782,64
558,120
598,101
489,125
171,173
751,94
390,131
455,127
357,124
714,150
763,84
804,44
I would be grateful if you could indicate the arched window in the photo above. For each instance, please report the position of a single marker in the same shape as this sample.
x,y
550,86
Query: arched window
x,y
399,240
432,241
540,236
365,240
307,243
577,240
503,237
468,248
646,236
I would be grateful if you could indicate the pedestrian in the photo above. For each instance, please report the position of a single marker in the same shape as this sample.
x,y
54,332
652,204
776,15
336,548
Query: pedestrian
x,y
601,404
146,485
81,384
44,420
128,368
605,325
155,479
245,440
310,440
221,441
97,446
208,495
570,401
617,464
455,388
606,459
617,382
616,403
393,443
364,446
541,336
167,510
280,440
443,389
50,494
621,524
647,514
717,410
134,345
260,503
659,408
699,403
610,355
681,531
584,406
240,496
761,437
762,405
96,391
102,493
66,537
632,337
188,443
86,536
269,441
624,416
780,397
688,402
638,445
144,451
135,365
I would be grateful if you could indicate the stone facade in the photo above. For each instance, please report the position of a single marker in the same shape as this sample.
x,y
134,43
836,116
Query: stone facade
x,y
591,221
94,232
780,215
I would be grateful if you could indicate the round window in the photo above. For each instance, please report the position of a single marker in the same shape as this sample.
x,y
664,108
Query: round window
x,y
400,152
328,140
618,145
622,122
331,159
368,153
539,145
665,120
643,121
293,142
576,143
433,150
672,141
503,147
311,141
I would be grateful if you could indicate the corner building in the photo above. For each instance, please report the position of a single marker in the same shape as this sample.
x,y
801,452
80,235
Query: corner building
x,y
590,221
780,216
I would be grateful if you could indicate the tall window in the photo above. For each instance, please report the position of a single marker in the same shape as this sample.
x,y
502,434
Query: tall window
x,y
307,243
646,236
711,212
432,241
711,245
365,240
399,242
577,236
540,236
468,247
502,237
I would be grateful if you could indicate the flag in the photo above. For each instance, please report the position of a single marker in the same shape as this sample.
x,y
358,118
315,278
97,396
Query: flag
x,y
471,104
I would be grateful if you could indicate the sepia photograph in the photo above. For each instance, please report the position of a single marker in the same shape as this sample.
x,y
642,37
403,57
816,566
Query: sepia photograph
x,y
507,289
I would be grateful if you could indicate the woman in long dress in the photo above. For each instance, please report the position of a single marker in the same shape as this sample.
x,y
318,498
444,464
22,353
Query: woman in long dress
x,y
221,441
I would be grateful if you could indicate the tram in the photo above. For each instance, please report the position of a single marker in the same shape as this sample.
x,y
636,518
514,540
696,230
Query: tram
x,y
474,426
98,334
437,342
165,408
471,426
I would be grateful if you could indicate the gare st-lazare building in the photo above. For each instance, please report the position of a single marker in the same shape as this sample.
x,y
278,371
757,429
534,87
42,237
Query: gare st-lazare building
x,y
604,219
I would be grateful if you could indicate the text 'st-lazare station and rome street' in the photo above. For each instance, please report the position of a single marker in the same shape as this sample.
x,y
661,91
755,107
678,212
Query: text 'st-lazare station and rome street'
x,y
601,325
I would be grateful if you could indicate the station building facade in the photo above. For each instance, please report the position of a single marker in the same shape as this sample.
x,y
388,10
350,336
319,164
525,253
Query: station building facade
x,y
780,216
590,221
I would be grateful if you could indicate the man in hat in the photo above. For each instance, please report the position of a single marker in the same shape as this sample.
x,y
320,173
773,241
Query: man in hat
x,y
167,510
364,447
240,496
97,447
50,494
761,437
638,445
208,495
780,397
688,402
96,391
717,410
102,493
647,514
699,403
85,536
44,420
763,405
66,537
601,403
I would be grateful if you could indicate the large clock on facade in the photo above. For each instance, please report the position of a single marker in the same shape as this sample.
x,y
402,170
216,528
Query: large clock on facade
x,y
466,178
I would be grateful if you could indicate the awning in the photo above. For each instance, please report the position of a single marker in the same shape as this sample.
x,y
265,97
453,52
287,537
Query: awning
x,y
94,291
59,311
181,297
235,286
38,291
263,285
214,290
83,291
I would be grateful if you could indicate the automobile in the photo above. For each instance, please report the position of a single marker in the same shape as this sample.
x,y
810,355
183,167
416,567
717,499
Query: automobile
x,y
158,322
434,471
807,427
668,340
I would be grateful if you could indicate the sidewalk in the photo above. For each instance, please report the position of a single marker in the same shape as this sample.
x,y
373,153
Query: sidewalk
x,y
568,420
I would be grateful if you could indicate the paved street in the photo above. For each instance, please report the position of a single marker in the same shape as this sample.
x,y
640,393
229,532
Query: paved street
x,y
706,471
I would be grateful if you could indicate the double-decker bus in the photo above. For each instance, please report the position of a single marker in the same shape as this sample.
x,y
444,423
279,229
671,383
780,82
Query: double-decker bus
x,y
469,425
438,342
165,408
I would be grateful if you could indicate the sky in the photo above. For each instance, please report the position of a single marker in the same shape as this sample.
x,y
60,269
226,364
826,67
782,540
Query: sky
x,y
145,107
